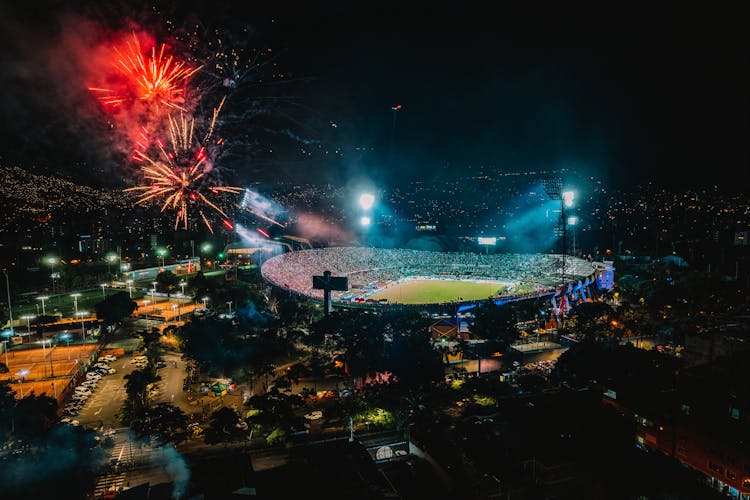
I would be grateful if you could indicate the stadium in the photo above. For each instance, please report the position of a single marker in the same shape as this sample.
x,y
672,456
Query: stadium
x,y
384,277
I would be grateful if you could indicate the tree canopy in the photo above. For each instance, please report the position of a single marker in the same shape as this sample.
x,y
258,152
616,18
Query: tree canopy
x,y
115,308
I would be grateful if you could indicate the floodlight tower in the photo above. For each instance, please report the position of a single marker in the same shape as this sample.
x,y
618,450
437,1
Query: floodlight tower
x,y
554,188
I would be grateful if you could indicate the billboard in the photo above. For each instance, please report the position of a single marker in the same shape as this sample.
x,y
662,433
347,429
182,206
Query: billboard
x,y
485,240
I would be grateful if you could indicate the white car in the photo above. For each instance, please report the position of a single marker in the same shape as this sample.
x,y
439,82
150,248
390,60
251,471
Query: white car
x,y
315,415
110,357
83,390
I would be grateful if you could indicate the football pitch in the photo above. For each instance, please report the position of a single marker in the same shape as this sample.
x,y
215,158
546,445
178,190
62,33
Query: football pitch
x,y
436,291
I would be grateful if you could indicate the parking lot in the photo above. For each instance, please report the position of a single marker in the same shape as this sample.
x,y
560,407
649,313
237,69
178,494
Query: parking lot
x,y
103,406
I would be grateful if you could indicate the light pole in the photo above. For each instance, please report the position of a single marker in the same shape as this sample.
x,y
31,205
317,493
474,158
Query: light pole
x,y
21,375
75,301
130,287
52,261
104,294
153,292
6,335
110,258
10,308
182,285
66,338
28,319
229,303
161,252
43,298
82,314
175,306
204,299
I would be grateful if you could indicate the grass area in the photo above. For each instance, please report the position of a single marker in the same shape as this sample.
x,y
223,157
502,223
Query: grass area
x,y
436,291
64,303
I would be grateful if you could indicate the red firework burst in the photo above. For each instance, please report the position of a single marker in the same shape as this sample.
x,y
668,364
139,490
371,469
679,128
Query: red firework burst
x,y
152,76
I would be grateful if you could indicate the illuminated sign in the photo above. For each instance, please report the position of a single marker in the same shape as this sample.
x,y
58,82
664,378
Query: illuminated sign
x,y
482,240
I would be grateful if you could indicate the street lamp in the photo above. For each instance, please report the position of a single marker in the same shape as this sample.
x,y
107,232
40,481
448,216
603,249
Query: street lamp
x,y
161,252
10,308
182,285
204,299
229,303
28,319
82,314
104,294
44,356
6,334
175,306
75,301
66,338
43,298
153,292
22,374
130,287
111,258
52,261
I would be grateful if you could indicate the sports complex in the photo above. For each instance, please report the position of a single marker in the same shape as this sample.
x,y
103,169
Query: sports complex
x,y
382,277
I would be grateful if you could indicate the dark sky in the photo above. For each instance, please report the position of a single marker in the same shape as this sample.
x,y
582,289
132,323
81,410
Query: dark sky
x,y
628,94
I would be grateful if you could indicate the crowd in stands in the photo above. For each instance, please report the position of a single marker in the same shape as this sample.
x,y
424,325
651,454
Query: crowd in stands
x,y
366,267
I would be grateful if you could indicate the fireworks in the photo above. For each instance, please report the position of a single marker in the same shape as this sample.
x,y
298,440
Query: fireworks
x,y
153,77
179,173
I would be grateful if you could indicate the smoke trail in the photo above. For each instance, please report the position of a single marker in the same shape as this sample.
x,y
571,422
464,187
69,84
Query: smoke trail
x,y
177,469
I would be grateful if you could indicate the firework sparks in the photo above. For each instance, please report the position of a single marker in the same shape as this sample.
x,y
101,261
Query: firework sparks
x,y
178,174
154,77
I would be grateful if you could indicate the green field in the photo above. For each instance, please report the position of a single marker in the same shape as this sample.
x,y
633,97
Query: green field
x,y
435,291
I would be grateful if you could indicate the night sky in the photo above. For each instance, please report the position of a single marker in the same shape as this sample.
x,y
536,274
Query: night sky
x,y
624,95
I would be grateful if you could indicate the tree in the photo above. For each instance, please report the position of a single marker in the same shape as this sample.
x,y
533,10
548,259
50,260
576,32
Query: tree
x,y
151,346
137,390
226,426
115,308
167,281
164,421
35,415
413,359
7,407
493,322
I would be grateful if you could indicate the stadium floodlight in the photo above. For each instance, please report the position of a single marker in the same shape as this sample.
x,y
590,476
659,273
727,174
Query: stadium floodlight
x,y
568,197
365,221
572,221
366,200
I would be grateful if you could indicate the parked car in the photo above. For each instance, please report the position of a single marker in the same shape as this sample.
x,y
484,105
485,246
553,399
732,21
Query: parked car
x,y
83,390
110,357
92,375
315,415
